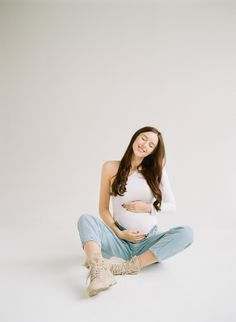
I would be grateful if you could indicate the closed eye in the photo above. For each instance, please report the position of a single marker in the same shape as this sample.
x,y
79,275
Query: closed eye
x,y
151,145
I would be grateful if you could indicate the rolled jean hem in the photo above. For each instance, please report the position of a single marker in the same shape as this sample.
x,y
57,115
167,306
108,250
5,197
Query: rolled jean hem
x,y
84,241
156,255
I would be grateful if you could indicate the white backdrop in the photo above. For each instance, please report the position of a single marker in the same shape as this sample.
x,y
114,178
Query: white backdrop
x,y
78,79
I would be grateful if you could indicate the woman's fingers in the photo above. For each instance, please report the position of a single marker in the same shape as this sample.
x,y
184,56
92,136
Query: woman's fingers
x,y
136,236
140,237
136,232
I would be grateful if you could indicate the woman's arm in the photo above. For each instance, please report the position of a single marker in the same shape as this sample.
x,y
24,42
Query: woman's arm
x,y
168,199
104,197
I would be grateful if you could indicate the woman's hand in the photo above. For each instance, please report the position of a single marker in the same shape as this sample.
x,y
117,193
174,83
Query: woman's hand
x,y
137,206
131,236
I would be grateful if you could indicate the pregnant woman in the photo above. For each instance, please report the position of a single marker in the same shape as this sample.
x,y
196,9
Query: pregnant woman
x,y
128,240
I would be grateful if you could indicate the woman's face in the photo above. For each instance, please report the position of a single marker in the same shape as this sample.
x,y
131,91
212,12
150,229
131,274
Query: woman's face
x,y
145,143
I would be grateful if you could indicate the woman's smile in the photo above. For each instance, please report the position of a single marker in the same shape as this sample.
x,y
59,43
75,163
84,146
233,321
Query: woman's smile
x,y
140,149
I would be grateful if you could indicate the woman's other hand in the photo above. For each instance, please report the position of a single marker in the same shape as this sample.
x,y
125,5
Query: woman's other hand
x,y
131,236
137,206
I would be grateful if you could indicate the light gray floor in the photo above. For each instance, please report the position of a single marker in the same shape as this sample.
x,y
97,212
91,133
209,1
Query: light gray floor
x,y
66,71
42,279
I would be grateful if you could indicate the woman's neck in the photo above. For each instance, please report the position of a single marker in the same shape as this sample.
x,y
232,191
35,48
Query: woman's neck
x,y
135,163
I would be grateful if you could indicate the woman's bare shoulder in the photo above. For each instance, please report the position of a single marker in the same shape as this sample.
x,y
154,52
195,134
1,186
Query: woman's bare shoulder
x,y
112,167
112,164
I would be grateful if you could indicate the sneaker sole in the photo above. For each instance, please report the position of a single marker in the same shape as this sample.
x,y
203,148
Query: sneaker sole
x,y
93,292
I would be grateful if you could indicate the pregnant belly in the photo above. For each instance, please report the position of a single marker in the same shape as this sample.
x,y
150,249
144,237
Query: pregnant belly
x,y
136,221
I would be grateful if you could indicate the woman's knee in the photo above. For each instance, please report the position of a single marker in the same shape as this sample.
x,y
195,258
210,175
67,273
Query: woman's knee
x,y
83,219
86,219
187,234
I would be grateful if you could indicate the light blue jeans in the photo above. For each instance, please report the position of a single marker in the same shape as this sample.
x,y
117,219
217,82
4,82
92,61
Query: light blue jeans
x,y
161,244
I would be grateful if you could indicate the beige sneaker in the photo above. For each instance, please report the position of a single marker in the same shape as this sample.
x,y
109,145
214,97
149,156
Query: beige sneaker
x,y
100,276
119,266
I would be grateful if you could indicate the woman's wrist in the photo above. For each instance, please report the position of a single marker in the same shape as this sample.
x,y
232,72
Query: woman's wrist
x,y
119,234
117,231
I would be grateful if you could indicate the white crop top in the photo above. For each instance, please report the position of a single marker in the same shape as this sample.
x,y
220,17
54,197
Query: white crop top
x,y
138,189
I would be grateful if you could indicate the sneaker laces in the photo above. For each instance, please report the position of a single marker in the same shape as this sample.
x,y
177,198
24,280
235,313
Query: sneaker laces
x,y
95,270
126,267
119,268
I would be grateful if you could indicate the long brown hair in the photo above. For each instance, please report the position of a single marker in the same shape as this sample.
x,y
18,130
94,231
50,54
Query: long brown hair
x,y
152,166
